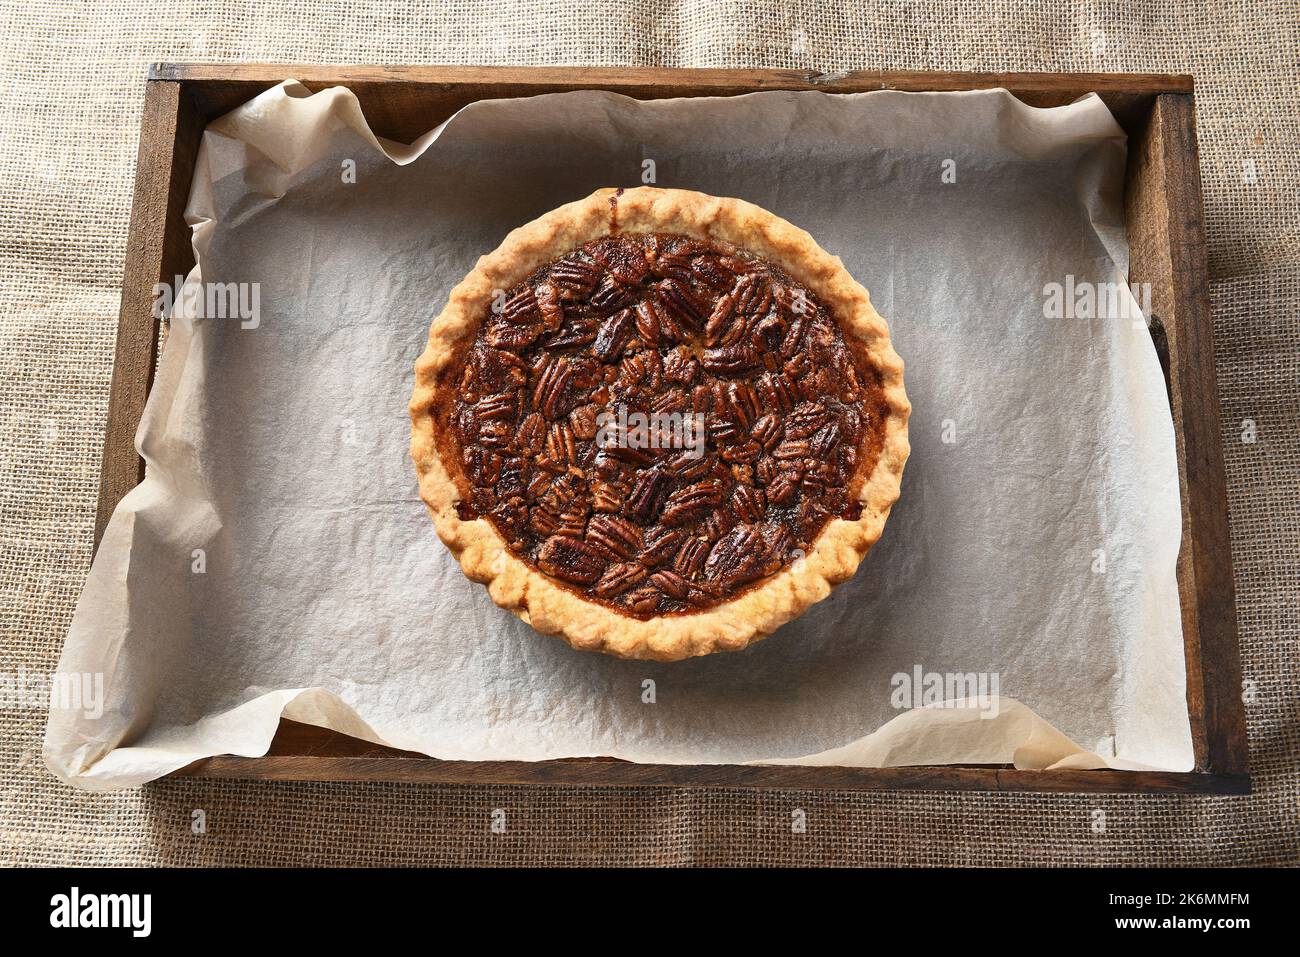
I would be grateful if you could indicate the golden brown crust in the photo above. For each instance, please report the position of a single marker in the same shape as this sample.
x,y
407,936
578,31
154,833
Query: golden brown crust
x,y
756,613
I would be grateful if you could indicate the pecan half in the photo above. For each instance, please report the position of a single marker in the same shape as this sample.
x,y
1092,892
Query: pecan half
x,y
680,368
782,488
719,322
805,419
748,503
503,405
585,422
778,392
614,535
691,557
647,323
689,467
521,307
571,560
575,277
606,497
769,334
736,558
676,299
793,449
730,360
753,295
495,433
575,332
671,584
548,303
647,497
767,431
610,296
618,579
661,544
691,502
561,445
644,602
744,453
550,396
614,336
824,441
625,262
503,334
709,271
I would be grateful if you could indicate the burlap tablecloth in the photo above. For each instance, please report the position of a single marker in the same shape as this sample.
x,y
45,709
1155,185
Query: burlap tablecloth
x,y
73,82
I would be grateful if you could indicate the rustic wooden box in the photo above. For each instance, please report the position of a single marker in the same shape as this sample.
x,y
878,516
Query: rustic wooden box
x,y
1163,210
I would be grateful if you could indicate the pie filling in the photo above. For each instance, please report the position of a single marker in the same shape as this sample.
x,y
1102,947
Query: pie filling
x,y
658,422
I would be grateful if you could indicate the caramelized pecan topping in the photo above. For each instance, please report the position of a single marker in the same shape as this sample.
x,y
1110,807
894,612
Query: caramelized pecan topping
x,y
549,419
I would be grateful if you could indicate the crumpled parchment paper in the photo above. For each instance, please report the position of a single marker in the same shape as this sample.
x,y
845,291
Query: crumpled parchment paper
x,y
277,560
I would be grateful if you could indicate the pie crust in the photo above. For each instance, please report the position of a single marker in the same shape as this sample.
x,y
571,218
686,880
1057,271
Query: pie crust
x,y
736,616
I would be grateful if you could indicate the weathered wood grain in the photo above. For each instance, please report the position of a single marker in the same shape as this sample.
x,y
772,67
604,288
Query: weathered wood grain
x,y
301,753
401,102
158,248
1167,249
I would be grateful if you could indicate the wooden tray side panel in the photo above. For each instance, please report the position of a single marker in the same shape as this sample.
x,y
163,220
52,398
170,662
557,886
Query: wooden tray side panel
x,y
1206,557
402,102
1167,243
627,774
157,250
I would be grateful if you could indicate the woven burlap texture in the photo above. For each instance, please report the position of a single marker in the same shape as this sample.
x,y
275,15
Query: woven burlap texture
x,y
73,84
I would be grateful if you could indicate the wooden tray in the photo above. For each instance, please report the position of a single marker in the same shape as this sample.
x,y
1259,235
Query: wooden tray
x,y
1163,212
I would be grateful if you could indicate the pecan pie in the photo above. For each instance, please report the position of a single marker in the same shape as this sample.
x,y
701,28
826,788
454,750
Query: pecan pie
x,y
658,423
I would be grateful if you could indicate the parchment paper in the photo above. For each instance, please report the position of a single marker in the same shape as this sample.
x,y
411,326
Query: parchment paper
x,y
277,559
